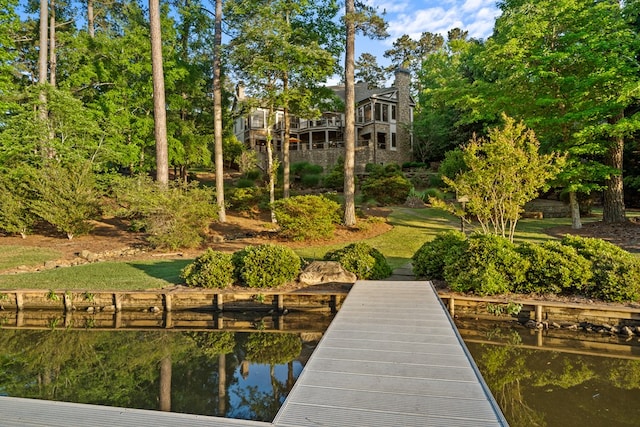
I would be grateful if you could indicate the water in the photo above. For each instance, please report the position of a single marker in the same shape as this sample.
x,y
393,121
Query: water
x,y
219,373
546,378
557,378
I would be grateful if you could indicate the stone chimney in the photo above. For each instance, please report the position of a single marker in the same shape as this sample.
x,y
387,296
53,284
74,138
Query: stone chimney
x,y
403,134
240,95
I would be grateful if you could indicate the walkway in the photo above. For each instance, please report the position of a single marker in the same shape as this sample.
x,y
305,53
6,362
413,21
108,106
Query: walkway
x,y
391,357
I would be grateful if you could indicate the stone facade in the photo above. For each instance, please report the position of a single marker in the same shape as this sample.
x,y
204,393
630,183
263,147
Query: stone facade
x,y
384,117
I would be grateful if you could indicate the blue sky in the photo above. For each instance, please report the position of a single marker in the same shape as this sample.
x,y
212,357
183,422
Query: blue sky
x,y
413,17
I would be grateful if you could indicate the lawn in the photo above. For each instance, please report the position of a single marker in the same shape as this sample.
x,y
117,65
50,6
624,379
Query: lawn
x,y
411,228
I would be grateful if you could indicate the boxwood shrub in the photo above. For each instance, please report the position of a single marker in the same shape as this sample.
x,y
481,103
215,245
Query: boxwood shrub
x,y
212,269
430,259
307,217
554,268
266,266
489,265
362,260
616,272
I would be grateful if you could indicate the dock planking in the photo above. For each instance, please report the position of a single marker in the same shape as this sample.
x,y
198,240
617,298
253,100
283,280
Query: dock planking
x,y
391,357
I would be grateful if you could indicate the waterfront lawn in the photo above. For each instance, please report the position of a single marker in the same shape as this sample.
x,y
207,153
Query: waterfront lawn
x,y
12,256
109,275
411,228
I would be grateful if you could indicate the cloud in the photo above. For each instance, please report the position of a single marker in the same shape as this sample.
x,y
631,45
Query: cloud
x,y
475,16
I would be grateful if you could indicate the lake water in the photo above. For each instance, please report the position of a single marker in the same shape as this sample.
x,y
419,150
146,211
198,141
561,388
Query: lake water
x,y
210,372
548,378
557,378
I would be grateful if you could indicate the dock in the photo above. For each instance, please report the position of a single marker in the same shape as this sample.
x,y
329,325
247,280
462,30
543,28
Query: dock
x,y
391,357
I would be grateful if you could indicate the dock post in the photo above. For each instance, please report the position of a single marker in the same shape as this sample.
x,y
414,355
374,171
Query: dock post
x,y
452,307
19,301
280,302
167,302
117,302
538,313
218,302
68,304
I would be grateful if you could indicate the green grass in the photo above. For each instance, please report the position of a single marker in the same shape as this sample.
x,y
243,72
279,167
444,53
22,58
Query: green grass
x,y
12,256
101,276
411,228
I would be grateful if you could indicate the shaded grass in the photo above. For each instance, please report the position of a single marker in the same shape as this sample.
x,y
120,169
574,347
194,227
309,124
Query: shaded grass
x,y
12,256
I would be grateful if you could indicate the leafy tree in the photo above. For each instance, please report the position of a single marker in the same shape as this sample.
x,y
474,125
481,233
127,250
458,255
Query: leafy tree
x,y
568,69
504,172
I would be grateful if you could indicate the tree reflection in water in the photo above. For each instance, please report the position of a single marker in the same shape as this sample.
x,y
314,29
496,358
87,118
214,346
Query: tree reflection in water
x,y
191,372
543,387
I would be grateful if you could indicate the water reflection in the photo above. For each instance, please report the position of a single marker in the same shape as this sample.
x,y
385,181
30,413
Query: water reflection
x,y
565,385
219,373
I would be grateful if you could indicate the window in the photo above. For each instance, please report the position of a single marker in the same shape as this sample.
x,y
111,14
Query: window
x,y
378,111
393,112
257,120
393,141
385,112
367,113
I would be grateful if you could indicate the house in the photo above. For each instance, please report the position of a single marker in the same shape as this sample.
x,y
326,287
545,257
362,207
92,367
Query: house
x,y
384,118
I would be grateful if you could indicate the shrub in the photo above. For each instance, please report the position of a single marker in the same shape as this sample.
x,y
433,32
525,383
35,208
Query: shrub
x,y
554,268
266,266
429,261
65,197
174,217
15,215
212,269
616,272
362,260
245,183
245,199
310,181
388,190
335,178
307,217
489,265
453,164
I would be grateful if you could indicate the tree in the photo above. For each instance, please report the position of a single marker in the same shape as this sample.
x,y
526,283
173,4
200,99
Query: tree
x,y
568,69
368,71
278,50
217,112
504,172
159,104
371,24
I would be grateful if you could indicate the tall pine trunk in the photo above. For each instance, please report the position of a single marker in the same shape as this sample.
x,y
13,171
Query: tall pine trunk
x,y
350,118
217,113
159,104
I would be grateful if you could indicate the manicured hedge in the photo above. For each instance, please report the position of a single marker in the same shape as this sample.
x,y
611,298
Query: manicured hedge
x,y
362,260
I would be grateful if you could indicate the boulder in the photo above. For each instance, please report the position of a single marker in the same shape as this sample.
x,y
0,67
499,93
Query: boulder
x,y
326,272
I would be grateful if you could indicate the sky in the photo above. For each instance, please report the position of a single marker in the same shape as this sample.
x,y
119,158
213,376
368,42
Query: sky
x,y
413,17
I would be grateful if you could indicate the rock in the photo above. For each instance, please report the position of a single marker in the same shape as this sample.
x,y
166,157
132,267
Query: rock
x,y
154,310
90,309
85,254
531,324
326,272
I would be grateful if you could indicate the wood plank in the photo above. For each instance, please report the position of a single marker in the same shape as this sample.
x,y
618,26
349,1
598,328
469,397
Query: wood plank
x,y
391,357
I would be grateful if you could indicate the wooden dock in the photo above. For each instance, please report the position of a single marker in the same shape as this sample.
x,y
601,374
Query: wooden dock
x,y
391,357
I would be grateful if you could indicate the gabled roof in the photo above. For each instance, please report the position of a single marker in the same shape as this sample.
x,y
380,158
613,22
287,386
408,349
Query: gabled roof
x,y
364,92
